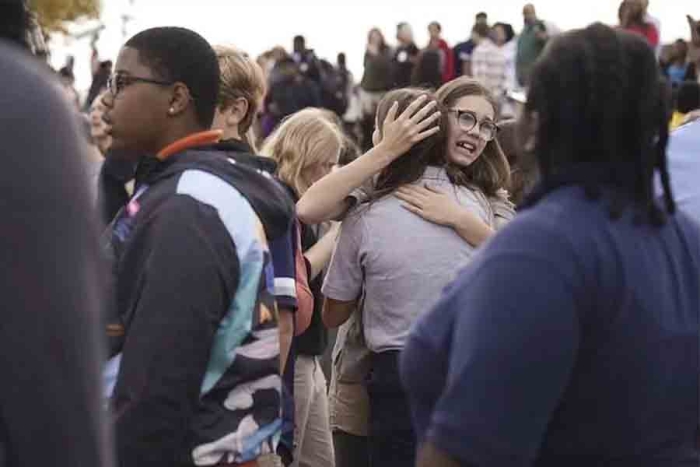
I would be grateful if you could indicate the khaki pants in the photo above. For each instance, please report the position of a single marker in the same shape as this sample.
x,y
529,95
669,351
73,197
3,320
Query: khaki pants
x,y
347,398
313,444
266,460
269,460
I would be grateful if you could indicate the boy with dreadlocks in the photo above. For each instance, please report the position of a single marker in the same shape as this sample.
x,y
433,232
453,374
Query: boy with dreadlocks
x,y
591,357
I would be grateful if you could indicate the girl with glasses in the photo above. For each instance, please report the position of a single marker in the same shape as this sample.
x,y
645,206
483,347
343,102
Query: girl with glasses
x,y
472,159
394,264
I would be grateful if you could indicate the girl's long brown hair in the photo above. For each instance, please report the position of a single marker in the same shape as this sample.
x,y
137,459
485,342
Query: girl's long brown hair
x,y
411,166
491,171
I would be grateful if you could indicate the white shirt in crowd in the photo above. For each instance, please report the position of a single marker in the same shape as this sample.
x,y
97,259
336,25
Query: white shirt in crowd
x,y
510,51
552,29
490,67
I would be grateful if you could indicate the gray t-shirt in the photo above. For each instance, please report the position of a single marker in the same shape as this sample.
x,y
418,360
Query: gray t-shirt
x,y
400,262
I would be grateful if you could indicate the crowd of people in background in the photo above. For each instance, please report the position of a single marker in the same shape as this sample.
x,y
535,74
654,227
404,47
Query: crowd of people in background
x,y
494,53
274,263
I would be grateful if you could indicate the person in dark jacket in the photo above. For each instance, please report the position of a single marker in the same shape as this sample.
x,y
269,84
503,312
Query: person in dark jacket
x,y
405,56
291,91
241,91
376,81
50,274
306,59
679,69
427,72
116,172
463,50
194,339
531,43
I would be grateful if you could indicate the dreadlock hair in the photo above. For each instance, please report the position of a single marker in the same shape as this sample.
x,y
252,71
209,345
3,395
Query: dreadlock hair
x,y
599,114
14,21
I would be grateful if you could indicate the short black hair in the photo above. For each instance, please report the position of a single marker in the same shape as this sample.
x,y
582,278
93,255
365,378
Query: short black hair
x,y
683,45
481,30
437,25
427,73
183,56
602,120
688,98
14,21
510,32
482,15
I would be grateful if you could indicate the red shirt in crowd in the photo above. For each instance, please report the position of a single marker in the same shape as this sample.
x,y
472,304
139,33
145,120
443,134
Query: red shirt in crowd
x,y
647,30
448,69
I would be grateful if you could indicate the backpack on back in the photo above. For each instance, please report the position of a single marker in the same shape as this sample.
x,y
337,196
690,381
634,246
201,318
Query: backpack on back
x,y
305,298
334,85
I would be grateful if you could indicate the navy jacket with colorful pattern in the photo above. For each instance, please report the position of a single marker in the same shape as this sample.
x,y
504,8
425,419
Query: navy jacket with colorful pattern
x,y
193,334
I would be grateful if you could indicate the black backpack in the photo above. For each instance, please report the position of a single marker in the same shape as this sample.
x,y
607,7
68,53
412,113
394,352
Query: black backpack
x,y
334,88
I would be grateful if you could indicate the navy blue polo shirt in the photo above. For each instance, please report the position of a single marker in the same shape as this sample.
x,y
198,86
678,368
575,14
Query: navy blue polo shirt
x,y
463,53
570,340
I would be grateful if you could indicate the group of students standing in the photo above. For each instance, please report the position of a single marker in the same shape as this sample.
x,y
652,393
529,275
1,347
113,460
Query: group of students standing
x,y
492,54
469,336
414,209
679,61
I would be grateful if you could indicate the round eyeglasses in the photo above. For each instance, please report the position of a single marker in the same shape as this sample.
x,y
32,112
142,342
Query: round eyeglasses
x,y
468,120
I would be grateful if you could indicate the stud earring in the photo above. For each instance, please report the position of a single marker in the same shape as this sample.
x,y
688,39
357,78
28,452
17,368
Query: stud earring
x,y
172,110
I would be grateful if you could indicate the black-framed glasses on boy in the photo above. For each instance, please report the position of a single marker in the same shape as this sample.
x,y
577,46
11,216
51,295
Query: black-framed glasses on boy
x,y
116,83
468,120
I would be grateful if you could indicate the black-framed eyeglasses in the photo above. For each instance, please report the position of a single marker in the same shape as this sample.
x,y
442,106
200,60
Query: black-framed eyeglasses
x,y
116,83
468,120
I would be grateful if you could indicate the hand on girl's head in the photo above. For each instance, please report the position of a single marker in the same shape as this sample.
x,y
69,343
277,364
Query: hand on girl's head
x,y
415,124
